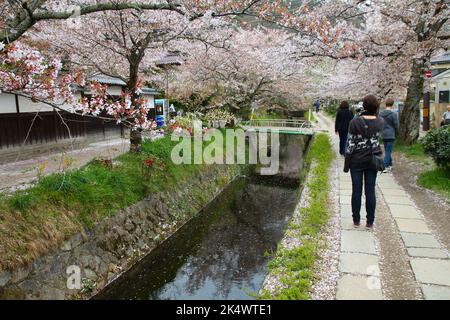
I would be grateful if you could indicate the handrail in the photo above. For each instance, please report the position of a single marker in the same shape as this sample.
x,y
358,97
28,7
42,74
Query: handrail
x,y
302,125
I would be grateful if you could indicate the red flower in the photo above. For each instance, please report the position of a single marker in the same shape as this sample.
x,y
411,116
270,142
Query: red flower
x,y
148,163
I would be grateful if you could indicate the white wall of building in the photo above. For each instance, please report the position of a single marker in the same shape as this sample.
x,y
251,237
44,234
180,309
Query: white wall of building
x,y
150,101
441,83
7,103
26,105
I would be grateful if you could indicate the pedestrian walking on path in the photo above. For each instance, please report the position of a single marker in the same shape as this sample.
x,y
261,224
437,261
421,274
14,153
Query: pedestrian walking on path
x,y
362,145
390,131
343,118
446,117
317,105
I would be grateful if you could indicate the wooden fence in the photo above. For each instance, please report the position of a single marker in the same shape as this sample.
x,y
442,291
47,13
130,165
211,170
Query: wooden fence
x,y
17,129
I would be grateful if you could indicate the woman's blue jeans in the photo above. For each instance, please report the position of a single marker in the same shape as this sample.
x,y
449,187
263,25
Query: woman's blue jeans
x,y
389,148
343,135
363,175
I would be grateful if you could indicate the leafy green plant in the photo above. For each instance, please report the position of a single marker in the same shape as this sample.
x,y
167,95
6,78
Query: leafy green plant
x,y
437,144
21,201
88,286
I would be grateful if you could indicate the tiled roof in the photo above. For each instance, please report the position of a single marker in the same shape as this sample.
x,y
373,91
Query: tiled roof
x,y
445,58
150,91
102,78
170,59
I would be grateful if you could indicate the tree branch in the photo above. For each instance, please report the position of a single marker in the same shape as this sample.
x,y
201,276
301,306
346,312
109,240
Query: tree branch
x,y
27,17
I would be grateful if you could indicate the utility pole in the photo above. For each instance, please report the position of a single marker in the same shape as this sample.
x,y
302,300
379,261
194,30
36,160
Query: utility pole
x,y
426,96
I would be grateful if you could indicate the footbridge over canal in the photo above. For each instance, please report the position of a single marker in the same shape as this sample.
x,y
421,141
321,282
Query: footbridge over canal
x,y
287,126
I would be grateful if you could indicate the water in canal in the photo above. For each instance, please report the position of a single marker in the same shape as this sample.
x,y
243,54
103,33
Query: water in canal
x,y
222,252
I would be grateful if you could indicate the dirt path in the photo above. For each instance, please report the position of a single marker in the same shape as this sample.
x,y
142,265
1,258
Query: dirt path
x,y
20,174
435,209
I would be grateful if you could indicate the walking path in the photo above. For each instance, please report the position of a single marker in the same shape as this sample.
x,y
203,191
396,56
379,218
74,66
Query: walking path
x,y
20,174
420,266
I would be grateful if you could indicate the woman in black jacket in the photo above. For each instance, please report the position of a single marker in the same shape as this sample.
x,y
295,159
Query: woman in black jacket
x,y
343,118
363,143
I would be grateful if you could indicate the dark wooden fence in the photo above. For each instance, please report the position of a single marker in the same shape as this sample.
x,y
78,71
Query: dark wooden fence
x,y
48,127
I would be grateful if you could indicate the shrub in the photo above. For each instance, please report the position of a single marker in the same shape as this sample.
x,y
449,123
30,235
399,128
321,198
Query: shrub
x,y
331,109
219,115
437,144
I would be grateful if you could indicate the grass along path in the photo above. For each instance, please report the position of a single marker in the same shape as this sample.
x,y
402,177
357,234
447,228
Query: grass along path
x,y
432,177
291,271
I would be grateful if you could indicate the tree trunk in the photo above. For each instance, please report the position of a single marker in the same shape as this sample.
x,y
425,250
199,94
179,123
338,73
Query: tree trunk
x,y
135,133
135,140
410,116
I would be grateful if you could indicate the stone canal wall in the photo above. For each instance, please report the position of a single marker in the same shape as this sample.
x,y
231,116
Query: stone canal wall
x,y
90,260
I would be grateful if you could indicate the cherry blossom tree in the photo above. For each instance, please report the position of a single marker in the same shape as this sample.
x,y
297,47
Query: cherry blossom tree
x,y
117,38
389,43
254,68
126,45
22,15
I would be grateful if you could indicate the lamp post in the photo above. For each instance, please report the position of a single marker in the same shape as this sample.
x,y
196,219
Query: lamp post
x,y
426,96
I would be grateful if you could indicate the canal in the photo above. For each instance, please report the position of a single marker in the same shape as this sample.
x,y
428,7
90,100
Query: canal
x,y
223,252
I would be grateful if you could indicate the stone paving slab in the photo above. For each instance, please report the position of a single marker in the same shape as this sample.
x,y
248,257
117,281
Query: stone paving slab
x,y
385,179
414,240
347,223
398,200
436,292
412,225
347,200
397,193
387,185
346,211
346,186
359,263
431,271
346,192
352,287
404,211
357,241
428,253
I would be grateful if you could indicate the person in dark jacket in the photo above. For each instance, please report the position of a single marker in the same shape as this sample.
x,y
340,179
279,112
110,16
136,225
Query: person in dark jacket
x,y
390,131
317,105
343,118
363,142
